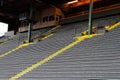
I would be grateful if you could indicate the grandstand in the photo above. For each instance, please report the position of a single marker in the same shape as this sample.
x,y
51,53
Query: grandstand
x,y
58,46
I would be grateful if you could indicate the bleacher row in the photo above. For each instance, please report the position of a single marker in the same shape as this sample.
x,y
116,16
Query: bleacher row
x,y
96,58
3,38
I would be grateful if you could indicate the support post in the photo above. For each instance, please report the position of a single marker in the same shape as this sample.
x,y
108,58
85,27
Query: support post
x,y
30,21
29,32
1,3
90,17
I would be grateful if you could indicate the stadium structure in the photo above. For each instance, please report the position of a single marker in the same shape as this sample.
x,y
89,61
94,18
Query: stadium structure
x,y
60,40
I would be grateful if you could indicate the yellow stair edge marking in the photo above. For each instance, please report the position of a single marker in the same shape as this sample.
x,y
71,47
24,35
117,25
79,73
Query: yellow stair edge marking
x,y
49,35
7,41
86,31
113,26
39,63
17,48
3,43
54,28
51,30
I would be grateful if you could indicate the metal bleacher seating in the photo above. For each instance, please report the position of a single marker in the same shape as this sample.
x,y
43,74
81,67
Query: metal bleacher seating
x,y
29,55
4,38
96,58
19,39
92,59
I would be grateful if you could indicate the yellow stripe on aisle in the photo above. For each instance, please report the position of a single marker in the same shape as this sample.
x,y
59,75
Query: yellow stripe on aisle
x,y
54,28
3,43
17,48
113,26
41,62
49,35
6,41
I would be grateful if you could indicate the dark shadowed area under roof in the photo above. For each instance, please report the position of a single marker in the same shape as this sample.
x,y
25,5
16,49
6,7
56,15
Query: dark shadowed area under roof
x,y
10,9
14,7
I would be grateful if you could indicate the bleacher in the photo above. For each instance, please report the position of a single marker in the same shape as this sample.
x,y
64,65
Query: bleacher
x,y
92,59
96,58
3,38
19,39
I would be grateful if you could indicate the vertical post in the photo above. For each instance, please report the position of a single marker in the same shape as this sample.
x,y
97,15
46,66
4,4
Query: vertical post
x,y
30,21
29,32
1,3
90,17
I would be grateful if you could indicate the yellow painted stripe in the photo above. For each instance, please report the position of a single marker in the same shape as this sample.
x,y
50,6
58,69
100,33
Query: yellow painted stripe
x,y
49,35
86,31
54,28
39,63
113,26
50,31
17,48
3,43
6,41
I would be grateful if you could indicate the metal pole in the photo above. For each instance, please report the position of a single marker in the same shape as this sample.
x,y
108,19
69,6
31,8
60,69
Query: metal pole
x,y
30,21
90,17
29,32
1,3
